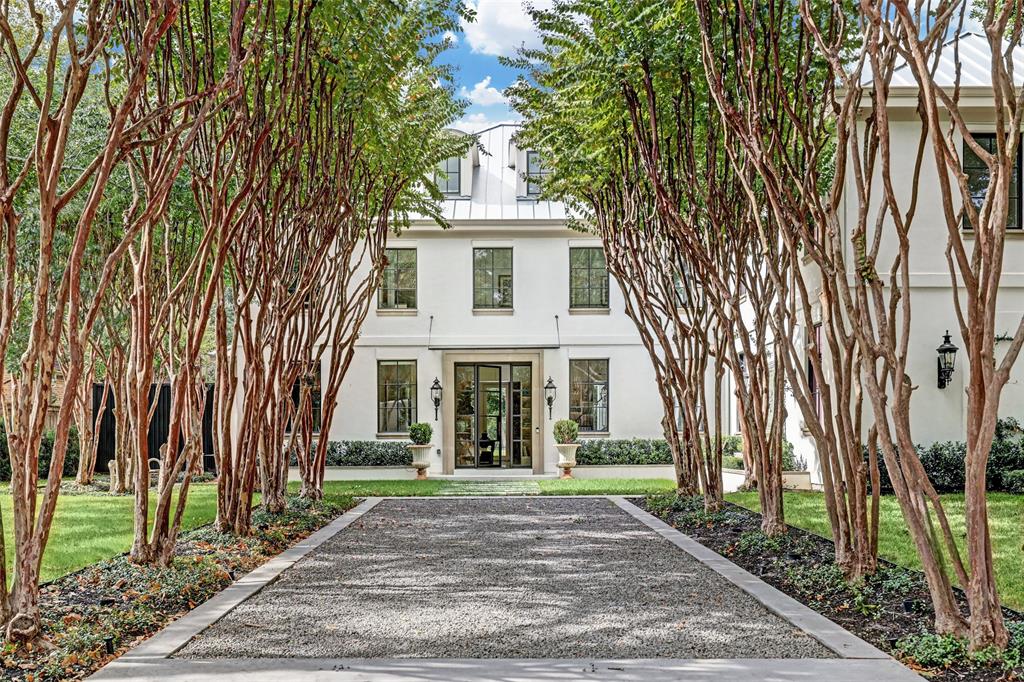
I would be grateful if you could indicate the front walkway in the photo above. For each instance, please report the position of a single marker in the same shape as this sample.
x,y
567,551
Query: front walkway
x,y
505,588
464,488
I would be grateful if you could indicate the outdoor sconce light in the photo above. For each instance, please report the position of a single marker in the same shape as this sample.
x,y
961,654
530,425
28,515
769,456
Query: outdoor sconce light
x,y
947,358
549,395
435,396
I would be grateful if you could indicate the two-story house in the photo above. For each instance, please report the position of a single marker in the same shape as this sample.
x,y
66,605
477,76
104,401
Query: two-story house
x,y
502,310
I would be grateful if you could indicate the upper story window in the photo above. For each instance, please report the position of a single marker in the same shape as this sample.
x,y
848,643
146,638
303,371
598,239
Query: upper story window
x,y
398,287
449,176
492,278
688,289
680,281
588,394
535,173
588,278
978,180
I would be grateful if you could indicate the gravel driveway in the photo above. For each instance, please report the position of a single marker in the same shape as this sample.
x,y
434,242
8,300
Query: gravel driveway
x,y
501,578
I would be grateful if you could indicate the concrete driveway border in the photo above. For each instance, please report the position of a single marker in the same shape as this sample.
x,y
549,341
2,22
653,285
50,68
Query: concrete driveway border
x,y
178,633
843,642
515,670
858,660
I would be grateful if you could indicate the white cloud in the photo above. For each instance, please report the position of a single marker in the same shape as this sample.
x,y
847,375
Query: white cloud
x,y
483,94
451,37
471,123
502,26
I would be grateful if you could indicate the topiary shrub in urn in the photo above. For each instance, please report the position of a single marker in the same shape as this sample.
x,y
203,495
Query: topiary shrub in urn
x,y
420,435
566,433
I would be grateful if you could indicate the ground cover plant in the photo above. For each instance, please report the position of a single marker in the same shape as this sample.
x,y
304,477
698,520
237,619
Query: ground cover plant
x,y
101,610
889,609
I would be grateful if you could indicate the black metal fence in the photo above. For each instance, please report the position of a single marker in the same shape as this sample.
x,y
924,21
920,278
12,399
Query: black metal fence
x,y
159,426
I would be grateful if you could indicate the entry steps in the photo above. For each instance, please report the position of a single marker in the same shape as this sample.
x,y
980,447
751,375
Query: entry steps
x,y
453,488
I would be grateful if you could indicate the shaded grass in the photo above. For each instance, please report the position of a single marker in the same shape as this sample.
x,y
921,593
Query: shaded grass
x,y
90,528
1006,522
606,486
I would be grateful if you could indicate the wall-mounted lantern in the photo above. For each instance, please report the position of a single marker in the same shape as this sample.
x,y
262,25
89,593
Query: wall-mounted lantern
x,y
549,395
947,359
435,396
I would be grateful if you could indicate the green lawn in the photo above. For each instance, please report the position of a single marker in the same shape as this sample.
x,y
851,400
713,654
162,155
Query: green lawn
x,y
90,528
1006,519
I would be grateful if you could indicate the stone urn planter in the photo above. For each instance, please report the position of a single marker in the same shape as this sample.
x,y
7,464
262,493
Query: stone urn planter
x,y
420,459
566,431
420,435
566,458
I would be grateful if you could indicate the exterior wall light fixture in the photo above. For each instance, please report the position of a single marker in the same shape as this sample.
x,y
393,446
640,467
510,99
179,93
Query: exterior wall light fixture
x,y
549,395
435,396
947,360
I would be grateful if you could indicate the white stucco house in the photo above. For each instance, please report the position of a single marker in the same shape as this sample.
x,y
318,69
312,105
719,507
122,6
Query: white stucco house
x,y
509,297
938,409
492,308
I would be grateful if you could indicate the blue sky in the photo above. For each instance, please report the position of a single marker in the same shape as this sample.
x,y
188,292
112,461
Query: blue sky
x,y
500,28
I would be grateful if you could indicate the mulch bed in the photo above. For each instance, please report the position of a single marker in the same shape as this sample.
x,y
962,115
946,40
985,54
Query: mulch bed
x,y
97,613
892,604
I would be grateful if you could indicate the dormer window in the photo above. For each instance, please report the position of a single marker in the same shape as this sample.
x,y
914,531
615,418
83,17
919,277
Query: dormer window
x,y
449,176
535,173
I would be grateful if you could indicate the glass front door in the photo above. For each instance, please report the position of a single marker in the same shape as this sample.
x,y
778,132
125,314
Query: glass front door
x,y
493,415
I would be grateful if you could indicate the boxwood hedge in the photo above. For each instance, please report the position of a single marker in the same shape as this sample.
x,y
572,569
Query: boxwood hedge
x,y
45,453
944,462
623,452
368,453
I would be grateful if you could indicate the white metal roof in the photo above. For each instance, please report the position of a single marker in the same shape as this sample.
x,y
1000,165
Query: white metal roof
x,y
975,61
495,189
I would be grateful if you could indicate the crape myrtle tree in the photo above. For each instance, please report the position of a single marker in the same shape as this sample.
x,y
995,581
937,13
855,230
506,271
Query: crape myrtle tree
x,y
111,335
615,106
574,114
52,185
249,165
373,149
975,256
305,267
774,93
173,262
862,257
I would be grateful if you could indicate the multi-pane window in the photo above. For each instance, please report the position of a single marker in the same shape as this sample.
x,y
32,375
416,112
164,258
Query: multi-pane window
x,y
535,173
812,380
396,395
978,180
588,394
398,287
682,296
588,278
492,278
449,176
312,379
